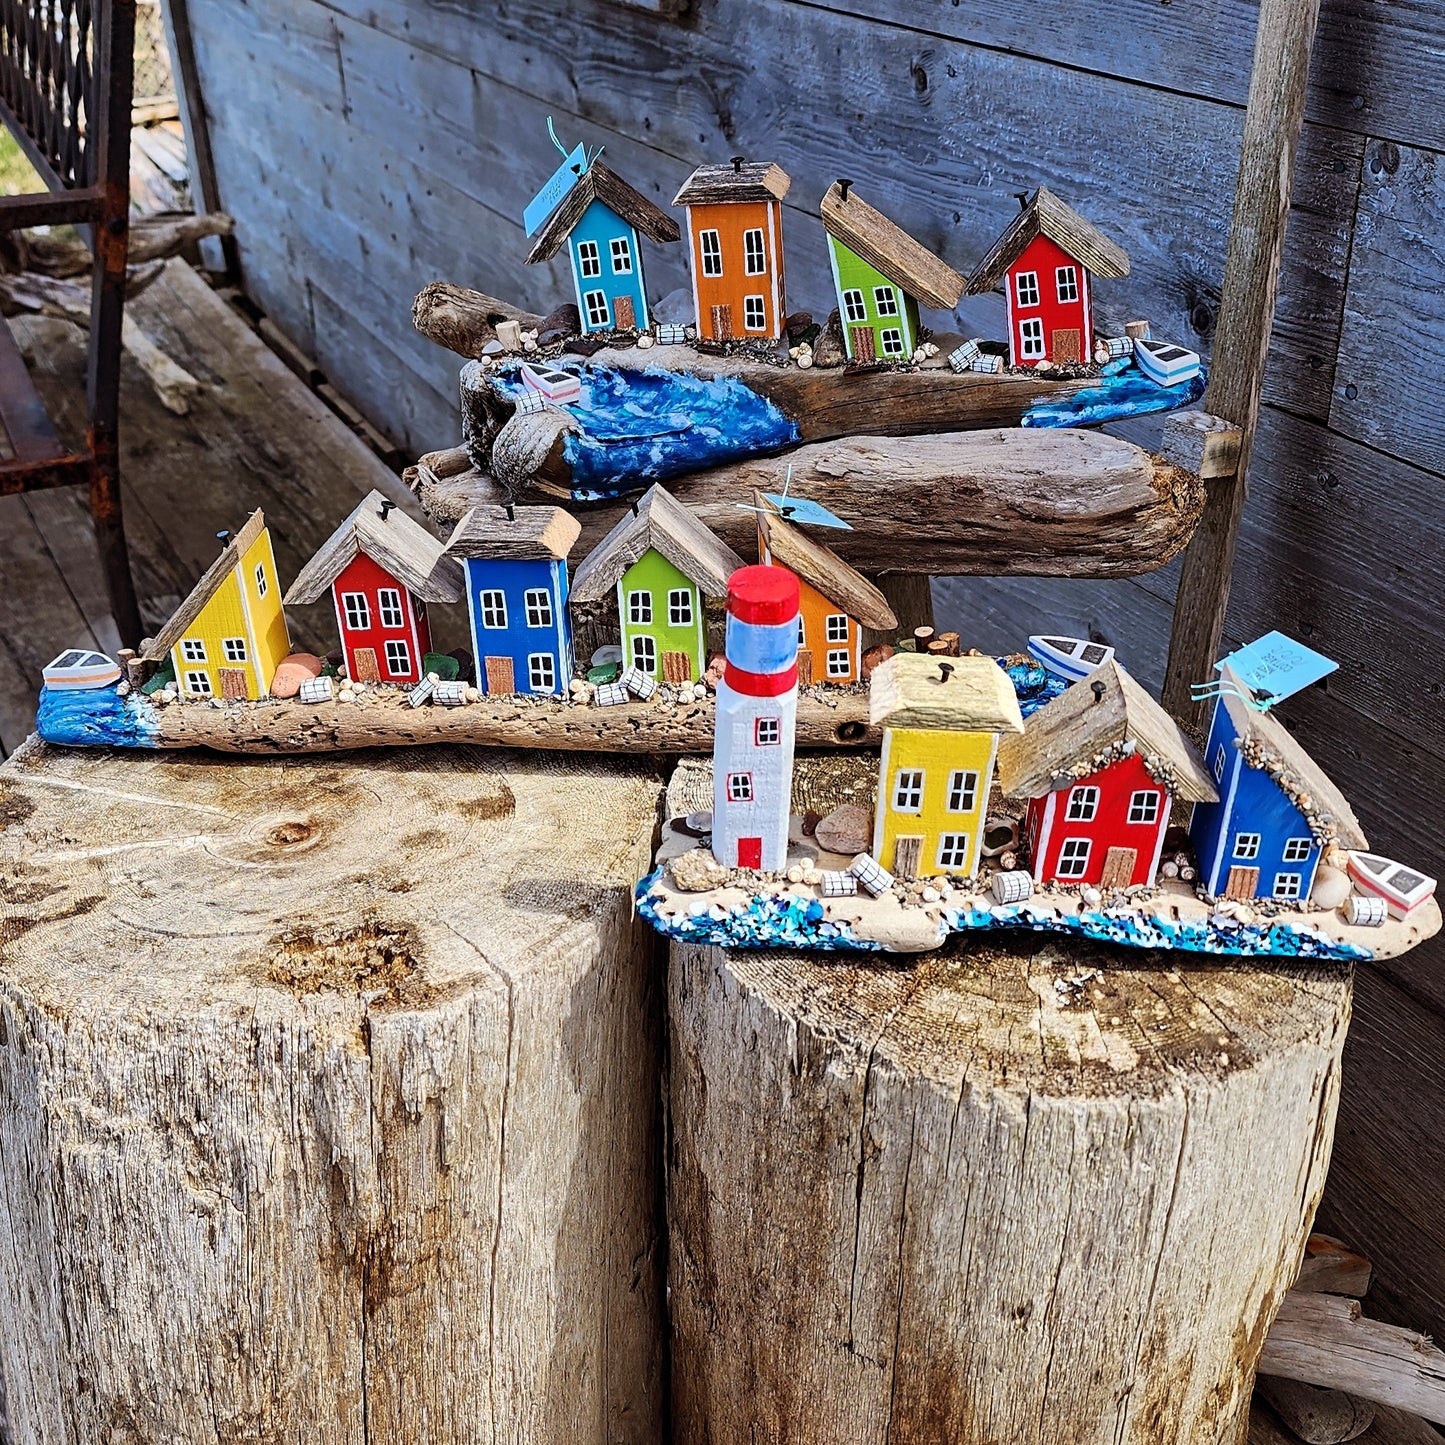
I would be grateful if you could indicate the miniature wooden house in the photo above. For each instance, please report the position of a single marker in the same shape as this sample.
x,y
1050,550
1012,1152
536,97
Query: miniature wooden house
x,y
836,602
515,560
598,221
227,638
941,721
881,274
1045,260
1276,809
382,569
1100,766
735,229
665,566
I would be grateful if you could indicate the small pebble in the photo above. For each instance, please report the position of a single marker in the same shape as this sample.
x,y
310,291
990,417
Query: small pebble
x,y
646,341
1092,897
931,895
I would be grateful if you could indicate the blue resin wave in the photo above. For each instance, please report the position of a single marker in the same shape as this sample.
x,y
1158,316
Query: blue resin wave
x,y
92,717
1124,394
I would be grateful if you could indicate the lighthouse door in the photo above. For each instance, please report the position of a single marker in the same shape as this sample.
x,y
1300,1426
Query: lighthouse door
x,y
750,852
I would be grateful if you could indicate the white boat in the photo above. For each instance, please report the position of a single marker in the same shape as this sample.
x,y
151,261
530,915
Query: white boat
x,y
1070,657
553,383
1164,363
79,668
1403,889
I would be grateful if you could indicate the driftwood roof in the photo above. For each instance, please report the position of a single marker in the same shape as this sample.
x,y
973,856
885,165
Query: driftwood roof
x,y
664,525
393,541
956,694
1084,721
906,263
822,568
1044,214
210,583
601,184
751,181
528,534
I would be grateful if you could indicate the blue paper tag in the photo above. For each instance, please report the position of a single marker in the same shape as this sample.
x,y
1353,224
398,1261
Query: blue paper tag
x,y
800,509
555,191
1276,667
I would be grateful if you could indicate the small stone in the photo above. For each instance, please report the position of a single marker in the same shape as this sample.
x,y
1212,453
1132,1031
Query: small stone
x,y
699,822
1169,869
646,341
1332,887
471,694
847,830
930,895
292,671
697,871
699,691
813,877
1245,914
358,687
1092,897
122,688
875,657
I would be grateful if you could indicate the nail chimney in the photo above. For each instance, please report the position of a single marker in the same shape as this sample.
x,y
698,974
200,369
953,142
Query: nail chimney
x,y
843,189
224,537
386,505
738,164
1022,197
945,671
1098,689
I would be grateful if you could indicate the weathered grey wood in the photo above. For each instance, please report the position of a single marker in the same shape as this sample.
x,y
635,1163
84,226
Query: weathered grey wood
x,y
1390,1427
328,1100
1317,1416
956,1157
1331,1267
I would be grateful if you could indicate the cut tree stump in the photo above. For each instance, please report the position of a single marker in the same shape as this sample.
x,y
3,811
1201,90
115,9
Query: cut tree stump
x,y
1025,1196
328,1100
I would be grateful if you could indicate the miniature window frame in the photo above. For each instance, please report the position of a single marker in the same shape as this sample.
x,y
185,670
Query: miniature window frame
x,y
1031,339
885,300
840,662
1026,288
739,788
541,672
233,649
1296,850
1074,857
835,627
890,341
263,584
357,611
1246,847
1083,804
709,251
1288,885
639,607
755,313
1144,806
755,252
398,657
598,311
908,786
537,604
492,609
963,790
768,732
198,683
389,608
855,308
802,634
620,254
953,850
679,607
644,654
1066,283
193,649
1219,761
589,260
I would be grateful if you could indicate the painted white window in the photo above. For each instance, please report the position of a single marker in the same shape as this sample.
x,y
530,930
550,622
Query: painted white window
x,y
890,341
962,790
193,649
1246,846
768,732
1026,288
854,307
597,312
1031,339
388,603
198,683
1066,283
1083,805
1074,858
1144,806
542,672
953,850
639,608
1219,763
398,658
644,654
233,649
589,263
740,788
885,299
836,627
908,791
755,260
710,245
262,584
538,602
1287,885
840,664
1296,850
679,607
494,609
755,313
357,611
621,256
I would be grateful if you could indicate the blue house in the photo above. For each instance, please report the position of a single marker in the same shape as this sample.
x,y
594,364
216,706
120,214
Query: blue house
x,y
515,560
1276,810
598,221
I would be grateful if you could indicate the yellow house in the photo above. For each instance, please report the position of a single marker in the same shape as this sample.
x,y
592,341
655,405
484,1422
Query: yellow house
x,y
228,636
941,719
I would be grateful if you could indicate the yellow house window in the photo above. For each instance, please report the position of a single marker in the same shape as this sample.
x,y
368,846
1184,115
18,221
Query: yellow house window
x,y
908,791
198,683
261,582
962,790
193,649
953,850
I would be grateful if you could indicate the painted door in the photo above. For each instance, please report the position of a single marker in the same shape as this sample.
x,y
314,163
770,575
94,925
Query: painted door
x,y
233,682
1067,345
805,667
500,678
366,668
908,854
1119,867
1243,883
750,852
624,313
676,667
722,323
862,342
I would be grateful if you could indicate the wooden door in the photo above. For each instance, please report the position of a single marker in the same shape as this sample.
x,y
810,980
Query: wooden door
x,y
1119,867
805,667
624,314
722,323
1068,345
498,674
676,667
1243,883
907,854
234,682
862,340
366,668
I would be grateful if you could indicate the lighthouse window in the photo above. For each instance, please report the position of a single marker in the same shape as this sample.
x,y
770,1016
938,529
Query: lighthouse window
x,y
908,791
740,787
1026,288
679,607
1066,278
768,732
837,627
840,664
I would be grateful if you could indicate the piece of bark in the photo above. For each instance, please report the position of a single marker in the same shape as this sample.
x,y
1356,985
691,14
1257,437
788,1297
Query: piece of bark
x,y
1318,1416
462,320
1331,1267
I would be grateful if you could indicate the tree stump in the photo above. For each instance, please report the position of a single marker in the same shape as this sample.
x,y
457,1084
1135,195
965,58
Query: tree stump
x,y
328,1099
997,1196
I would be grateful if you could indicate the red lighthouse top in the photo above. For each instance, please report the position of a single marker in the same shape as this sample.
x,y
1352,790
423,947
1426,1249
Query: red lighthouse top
x,y
764,596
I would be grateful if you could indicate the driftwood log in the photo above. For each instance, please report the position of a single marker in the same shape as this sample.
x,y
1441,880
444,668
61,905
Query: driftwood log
x,y
1317,1416
328,1100
996,1195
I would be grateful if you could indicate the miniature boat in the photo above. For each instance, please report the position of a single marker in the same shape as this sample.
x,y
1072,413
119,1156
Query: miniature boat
x,y
81,669
1071,658
1164,363
1402,888
556,385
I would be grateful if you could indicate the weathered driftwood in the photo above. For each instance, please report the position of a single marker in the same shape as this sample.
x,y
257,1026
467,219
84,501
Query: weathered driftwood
x,y
1062,503
328,1100
1331,1267
1391,1427
1315,1415
1019,1195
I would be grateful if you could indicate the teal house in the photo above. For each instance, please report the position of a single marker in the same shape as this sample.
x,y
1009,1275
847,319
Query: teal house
x,y
881,275
598,220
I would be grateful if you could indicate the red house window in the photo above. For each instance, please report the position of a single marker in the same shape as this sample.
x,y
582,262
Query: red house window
x,y
357,610
1066,282
388,604
1144,806
1026,288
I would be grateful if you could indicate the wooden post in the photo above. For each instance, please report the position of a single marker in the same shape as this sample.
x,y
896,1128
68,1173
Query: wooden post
x,y
910,595
1020,1195
328,1100
1272,124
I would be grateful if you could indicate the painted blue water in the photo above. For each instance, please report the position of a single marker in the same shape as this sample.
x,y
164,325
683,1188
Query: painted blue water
x,y
1124,394
94,717
1034,684
641,427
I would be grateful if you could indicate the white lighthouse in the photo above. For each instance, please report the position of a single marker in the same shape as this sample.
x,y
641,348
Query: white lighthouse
x,y
757,715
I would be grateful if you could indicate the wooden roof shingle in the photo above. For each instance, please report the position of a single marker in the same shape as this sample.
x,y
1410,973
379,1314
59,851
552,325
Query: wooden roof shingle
x,y
523,534
600,183
1044,214
890,249
749,181
211,579
955,694
822,568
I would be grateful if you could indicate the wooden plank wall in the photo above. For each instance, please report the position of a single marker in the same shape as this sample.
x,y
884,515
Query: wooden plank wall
x,y
368,146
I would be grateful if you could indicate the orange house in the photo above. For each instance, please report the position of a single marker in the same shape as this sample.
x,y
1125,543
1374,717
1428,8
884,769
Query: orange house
x,y
835,602
735,229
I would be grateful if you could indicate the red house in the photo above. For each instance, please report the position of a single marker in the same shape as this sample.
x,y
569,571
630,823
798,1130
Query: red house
x,y
382,569
1045,260
1100,766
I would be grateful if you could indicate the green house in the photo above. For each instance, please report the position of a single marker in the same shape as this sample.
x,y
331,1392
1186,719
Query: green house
x,y
881,274
666,568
